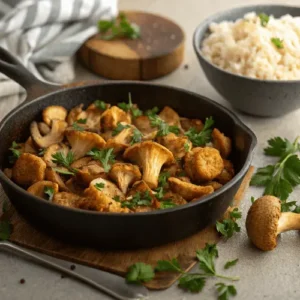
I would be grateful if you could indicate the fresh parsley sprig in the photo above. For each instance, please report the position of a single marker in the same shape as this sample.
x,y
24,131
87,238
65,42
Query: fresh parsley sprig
x,y
49,191
65,161
138,199
105,156
228,226
152,112
162,183
122,28
100,104
279,179
163,127
129,107
120,127
139,273
76,125
16,153
202,137
231,263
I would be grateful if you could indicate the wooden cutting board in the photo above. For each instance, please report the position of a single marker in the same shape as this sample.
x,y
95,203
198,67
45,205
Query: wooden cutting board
x,y
118,261
156,53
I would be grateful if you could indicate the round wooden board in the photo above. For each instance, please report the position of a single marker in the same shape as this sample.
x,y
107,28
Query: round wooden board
x,y
156,53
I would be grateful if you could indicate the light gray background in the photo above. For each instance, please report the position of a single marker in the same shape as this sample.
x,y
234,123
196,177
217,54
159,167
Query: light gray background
x,y
271,275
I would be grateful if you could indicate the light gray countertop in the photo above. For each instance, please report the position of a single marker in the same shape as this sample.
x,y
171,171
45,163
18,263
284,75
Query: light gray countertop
x,y
264,275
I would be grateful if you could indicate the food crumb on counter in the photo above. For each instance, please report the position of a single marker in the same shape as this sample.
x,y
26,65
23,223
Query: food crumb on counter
x,y
22,281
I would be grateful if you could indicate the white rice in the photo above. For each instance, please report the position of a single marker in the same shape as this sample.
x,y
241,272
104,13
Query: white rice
x,y
244,47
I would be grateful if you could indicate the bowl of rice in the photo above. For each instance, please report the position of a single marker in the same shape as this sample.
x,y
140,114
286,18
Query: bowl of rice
x,y
251,56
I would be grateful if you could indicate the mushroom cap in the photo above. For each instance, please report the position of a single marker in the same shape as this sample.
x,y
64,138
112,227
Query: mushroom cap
x,y
83,141
221,142
124,174
112,116
29,146
66,199
262,222
170,116
52,150
188,191
143,124
38,188
151,157
53,112
74,114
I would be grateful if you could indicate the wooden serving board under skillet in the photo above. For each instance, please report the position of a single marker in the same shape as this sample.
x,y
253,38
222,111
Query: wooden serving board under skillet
x,y
157,52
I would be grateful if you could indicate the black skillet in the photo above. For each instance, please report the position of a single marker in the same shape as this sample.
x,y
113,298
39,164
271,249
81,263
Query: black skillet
x,y
113,230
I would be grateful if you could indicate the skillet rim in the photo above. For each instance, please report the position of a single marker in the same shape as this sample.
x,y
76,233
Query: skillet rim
x,y
189,205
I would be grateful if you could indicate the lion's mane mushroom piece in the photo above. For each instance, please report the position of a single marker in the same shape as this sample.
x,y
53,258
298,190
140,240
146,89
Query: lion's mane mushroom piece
x,y
38,188
28,169
112,116
179,146
101,192
56,135
186,124
187,190
124,175
265,221
150,156
51,175
203,164
170,116
54,112
66,199
221,142
52,150
227,173
83,141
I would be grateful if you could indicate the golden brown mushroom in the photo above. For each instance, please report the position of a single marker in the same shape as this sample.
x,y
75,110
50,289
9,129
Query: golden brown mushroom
x,y
221,142
170,116
150,156
187,190
203,164
56,135
227,173
88,173
124,175
83,141
143,124
54,112
29,146
75,114
38,188
43,128
265,221
186,124
66,199
51,175
112,116
28,169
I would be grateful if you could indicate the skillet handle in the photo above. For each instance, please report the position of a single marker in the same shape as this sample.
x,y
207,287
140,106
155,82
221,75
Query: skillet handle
x,y
14,69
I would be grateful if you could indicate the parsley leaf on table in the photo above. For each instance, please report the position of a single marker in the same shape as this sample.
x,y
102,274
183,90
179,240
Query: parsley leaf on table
x,y
225,291
100,104
5,230
228,226
278,146
105,156
49,191
140,272
231,263
168,266
207,257
264,19
202,137
192,282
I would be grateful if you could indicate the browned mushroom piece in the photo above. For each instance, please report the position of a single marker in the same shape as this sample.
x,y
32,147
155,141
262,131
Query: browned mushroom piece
x,y
51,150
88,173
83,141
150,156
143,124
203,164
227,173
43,128
74,187
112,116
81,162
38,188
54,112
28,169
175,198
221,142
75,114
188,191
186,124
93,116
139,187
178,145
170,116
66,199
53,176
124,175
265,221
56,135
29,146
214,184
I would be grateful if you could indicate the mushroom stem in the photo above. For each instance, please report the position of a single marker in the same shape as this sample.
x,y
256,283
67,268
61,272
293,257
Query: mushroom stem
x,y
288,221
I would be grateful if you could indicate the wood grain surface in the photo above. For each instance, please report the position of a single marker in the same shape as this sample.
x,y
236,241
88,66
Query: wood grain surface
x,y
119,261
157,52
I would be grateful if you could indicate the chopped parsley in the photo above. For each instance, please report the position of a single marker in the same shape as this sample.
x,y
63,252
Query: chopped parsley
x,y
105,156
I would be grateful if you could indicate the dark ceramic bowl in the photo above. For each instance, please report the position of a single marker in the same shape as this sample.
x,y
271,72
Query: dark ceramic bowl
x,y
268,98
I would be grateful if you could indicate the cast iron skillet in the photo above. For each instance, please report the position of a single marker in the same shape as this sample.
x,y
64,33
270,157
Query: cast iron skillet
x,y
113,230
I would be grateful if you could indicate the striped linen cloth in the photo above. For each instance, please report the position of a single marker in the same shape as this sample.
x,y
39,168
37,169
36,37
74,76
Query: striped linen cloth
x,y
45,34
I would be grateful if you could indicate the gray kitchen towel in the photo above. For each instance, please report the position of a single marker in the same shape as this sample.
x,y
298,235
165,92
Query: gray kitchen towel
x,y
45,34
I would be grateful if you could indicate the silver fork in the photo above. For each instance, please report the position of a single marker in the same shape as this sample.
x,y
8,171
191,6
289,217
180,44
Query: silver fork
x,y
110,284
